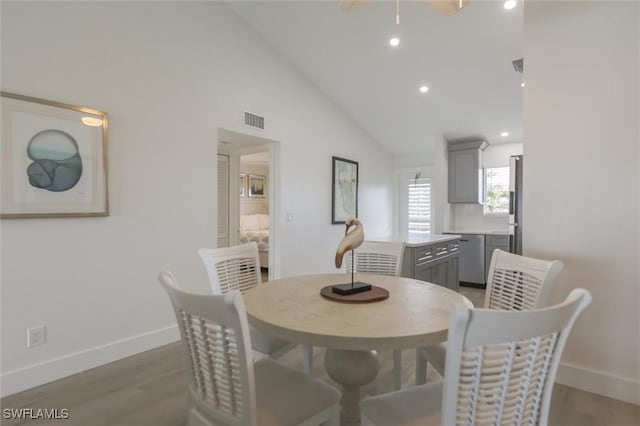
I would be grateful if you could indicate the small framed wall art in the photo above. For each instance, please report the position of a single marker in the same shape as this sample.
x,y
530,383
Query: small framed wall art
x,y
344,192
256,186
53,159
243,185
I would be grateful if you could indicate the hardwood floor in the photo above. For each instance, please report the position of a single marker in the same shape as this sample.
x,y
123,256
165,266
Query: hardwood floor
x,y
150,389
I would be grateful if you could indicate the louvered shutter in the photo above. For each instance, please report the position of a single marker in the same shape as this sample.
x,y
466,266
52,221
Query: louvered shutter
x,y
419,206
223,200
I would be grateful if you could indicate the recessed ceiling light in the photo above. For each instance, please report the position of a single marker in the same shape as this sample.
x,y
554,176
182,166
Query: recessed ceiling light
x,y
424,89
395,41
510,4
504,134
522,84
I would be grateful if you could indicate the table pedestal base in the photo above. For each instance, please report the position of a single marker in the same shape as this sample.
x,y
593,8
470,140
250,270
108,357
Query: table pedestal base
x,y
351,369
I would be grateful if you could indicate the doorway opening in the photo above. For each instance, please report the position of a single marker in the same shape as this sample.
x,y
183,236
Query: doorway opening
x,y
247,199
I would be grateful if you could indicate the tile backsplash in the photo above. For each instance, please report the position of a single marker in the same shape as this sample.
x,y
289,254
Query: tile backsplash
x,y
471,217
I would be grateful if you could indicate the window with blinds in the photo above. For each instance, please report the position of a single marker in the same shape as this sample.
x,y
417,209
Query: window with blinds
x,y
419,206
496,193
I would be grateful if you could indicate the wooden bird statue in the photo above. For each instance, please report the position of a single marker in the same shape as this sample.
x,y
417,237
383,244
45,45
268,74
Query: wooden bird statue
x,y
351,241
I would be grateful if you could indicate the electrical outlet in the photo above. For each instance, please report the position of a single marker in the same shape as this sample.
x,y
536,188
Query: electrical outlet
x,y
35,336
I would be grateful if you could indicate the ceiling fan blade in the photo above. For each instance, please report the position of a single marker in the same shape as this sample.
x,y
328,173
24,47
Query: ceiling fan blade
x,y
447,7
351,5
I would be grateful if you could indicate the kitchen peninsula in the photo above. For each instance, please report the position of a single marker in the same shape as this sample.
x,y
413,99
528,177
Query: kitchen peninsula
x,y
433,258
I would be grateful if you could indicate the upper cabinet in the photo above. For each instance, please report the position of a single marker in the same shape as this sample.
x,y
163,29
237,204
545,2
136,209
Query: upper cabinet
x,y
465,171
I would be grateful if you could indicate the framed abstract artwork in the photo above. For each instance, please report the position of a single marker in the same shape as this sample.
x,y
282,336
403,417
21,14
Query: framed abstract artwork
x,y
243,185
53,159
256,186
344,192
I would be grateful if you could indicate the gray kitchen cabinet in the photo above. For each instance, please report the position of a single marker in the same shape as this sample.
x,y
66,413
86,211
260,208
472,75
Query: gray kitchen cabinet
x,y
439,272
453,280
493,242
423,272
465,171
436,263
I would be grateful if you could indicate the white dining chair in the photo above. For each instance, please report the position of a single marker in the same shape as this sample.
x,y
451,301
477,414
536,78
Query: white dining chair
x,y
381,258
500,370
378,257
238,268
224,386
515,283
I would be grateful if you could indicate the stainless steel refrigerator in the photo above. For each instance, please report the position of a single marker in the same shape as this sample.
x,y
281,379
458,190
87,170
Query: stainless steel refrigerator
x,y
515,204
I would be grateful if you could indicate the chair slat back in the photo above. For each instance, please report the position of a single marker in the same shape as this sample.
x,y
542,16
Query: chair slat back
x,y
517,283
381,258
232,268
501,365
215,335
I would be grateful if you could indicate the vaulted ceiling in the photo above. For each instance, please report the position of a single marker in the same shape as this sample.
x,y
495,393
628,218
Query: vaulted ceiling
x,y
464,59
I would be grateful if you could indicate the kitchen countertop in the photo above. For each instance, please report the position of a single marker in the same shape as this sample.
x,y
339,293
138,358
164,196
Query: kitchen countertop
x,y
429,239
471,232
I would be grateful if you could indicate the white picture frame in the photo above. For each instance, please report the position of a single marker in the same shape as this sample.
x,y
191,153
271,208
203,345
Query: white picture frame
x,y
53,159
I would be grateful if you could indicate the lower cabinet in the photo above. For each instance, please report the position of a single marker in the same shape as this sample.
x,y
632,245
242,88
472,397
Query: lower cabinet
x,y
493,242
453,280
435,263
439,274
424,272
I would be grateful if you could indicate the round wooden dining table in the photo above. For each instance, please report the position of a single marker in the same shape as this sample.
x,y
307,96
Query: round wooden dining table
x,y
415,314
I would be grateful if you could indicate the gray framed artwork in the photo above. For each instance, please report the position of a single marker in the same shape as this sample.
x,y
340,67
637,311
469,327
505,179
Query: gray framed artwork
x,y
256,186
344,192
53,159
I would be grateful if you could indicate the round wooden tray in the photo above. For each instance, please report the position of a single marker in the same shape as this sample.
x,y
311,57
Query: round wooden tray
x,y
376,294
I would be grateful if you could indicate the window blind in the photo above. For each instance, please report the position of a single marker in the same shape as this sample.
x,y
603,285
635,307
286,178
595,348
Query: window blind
x,y
419,206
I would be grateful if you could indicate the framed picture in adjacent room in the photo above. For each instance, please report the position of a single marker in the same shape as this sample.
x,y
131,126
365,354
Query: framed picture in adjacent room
x,y
53,159
243,185
344,191
256,186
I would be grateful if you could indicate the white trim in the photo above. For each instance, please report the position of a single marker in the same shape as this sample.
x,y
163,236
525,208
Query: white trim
x,y
38,374
599,382
275,213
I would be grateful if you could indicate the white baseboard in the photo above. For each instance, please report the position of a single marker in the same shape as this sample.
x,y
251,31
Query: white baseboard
x,y
44,372
599,382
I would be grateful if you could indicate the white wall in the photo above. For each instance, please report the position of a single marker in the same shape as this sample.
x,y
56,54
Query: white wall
x,y
168,75
431,164
471,217
581,177
498,155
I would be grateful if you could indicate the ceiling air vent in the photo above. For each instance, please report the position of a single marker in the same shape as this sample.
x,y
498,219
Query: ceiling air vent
x,y
253,120
518,65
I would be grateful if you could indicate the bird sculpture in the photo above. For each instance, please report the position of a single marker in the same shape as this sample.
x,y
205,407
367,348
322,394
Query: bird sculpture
x,y
351,241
